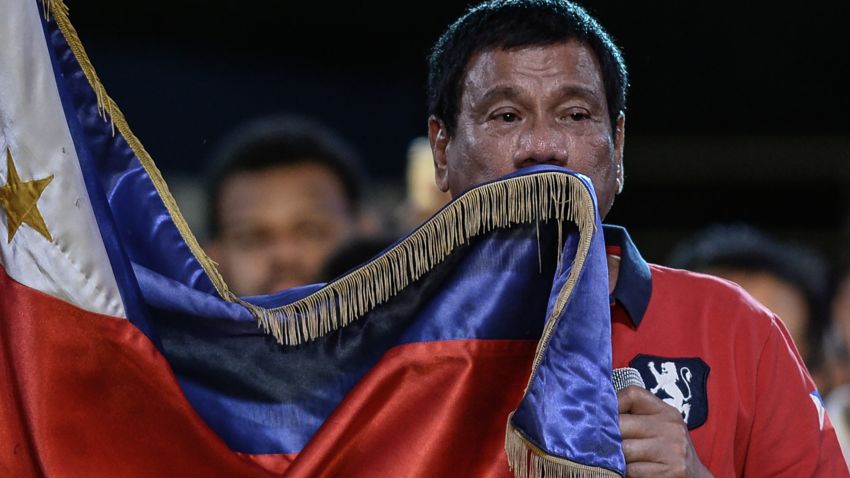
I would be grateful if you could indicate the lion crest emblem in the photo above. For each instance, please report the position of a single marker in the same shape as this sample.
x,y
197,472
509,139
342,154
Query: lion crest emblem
x,y
678,382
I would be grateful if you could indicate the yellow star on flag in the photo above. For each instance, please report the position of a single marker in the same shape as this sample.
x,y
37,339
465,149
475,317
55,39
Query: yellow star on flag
x,y
19,199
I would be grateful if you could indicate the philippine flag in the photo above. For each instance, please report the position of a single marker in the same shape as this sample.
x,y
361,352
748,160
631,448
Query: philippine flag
x,y
477,345
83,390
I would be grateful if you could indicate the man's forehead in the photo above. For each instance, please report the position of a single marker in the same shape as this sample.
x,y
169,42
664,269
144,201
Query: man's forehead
x,y
283,188
287,169
573,44
568,61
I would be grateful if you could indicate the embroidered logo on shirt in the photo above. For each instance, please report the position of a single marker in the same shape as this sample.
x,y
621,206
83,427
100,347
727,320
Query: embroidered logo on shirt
x,y
679,382
815,396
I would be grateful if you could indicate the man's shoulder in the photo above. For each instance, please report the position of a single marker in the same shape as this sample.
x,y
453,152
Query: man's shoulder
x,y
685,280
694,291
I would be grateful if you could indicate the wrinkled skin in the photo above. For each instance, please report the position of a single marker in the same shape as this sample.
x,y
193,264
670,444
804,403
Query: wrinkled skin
x,y
538,105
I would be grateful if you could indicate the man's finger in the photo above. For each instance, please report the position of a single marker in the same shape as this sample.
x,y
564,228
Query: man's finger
x,y
639,401
644,469
638,426
643,450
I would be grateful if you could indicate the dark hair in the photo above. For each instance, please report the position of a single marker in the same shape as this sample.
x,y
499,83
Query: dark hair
x,y
746,248
282,140
507,24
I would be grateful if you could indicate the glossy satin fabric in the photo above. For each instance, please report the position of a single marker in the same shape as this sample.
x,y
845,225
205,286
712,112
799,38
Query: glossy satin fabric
x,y
84,394
570,409
134,224
310,392
101,155
426,409
50,240
264,399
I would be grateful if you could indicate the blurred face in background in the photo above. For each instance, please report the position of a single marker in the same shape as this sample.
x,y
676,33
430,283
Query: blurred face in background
x,y
782,298
277,226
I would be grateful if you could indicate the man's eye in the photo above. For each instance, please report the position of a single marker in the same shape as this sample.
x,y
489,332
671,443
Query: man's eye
x,y
311,231
249,239
578,115
504,116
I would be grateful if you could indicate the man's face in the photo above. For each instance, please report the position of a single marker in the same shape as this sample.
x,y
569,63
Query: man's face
x,y
278,226
536,105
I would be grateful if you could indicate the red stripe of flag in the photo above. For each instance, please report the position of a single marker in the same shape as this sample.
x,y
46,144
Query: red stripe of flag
x,y
84,394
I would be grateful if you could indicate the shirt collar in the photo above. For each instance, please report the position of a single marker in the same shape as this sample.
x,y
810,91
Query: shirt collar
x,y
634,282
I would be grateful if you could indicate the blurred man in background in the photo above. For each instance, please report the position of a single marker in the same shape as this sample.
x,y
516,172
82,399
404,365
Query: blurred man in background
x,y
283,194
420,200
789,279
838,355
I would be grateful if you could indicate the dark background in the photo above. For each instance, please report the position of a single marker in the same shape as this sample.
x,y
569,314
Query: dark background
x,y
737,111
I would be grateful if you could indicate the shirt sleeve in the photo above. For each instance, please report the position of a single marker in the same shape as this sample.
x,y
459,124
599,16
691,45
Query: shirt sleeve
x,y
791,433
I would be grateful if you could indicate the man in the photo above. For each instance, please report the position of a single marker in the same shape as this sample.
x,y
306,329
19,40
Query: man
x,y
789,279
513,84
283,195
838,359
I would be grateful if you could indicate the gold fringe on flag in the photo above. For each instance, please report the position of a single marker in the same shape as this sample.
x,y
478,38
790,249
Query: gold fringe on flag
x,y
528,461
525,459
520,200
525,199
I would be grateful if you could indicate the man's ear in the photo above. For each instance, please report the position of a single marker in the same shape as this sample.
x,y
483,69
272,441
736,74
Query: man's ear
x,y
619,142
439,140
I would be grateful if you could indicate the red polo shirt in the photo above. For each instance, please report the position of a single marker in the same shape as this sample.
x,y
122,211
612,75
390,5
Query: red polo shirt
x,y
703,345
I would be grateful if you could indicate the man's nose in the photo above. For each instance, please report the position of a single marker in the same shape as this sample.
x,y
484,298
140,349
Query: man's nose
x,y
541,142
283,249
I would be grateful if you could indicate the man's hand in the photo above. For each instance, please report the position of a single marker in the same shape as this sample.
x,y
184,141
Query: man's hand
x,y
655,438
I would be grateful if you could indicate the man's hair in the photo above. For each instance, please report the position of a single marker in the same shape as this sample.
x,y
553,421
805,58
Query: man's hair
x,y
746,248
274,141
511,24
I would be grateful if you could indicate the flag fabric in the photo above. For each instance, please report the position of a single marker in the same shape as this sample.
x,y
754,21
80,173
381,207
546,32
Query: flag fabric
x,y
477,344
83,390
